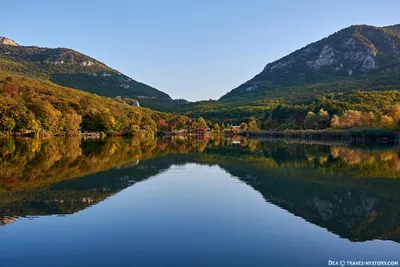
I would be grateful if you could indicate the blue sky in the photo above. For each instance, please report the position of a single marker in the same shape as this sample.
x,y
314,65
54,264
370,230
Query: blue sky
x,y
189,49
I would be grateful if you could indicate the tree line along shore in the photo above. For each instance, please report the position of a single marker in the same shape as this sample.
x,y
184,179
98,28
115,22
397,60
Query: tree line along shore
x,y
34,107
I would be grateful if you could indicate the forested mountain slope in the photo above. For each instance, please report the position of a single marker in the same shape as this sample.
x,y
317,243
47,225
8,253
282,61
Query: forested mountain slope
x,y
358,57
70,68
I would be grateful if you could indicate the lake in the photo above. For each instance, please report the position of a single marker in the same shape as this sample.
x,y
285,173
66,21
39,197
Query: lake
x,y
186,202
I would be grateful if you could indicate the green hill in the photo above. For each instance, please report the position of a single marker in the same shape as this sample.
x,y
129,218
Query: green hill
x,y
70,68
40,107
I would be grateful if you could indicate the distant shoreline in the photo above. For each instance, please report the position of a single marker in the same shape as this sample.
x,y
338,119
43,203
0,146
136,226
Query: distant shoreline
x,y
364,135
360,136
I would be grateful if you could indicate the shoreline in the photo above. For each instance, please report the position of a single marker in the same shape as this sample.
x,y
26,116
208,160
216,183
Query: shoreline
x,y
362,135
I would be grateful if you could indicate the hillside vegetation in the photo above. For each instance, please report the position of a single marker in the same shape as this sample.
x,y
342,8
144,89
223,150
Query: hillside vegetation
x,y
357,57
70,68
353,71
34,106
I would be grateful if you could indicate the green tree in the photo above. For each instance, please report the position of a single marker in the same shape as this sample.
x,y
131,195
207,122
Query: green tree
x,y
311,121
201,123
324,119
252,125
216,127
7,124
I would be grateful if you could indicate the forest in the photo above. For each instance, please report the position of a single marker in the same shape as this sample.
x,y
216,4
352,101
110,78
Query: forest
x,y
340,111
39,107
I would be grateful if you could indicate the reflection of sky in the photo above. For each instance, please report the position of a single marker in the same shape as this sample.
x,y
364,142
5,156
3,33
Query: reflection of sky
x,y
187,216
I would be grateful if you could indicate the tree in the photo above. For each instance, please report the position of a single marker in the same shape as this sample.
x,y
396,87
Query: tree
x,y
368,119
7,124
72,122
243,126
350,119
387,122
181,122
201,123
162,125
323,119
252,125
193,125
395,114
133,130
335,122
217,128
311,121
269,124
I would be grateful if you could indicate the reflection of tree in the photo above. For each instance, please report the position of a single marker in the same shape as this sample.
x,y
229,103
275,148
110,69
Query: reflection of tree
x,y
314,181
26,163
369,163
350,156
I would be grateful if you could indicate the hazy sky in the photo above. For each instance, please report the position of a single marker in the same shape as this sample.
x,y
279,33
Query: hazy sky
x,y
189,49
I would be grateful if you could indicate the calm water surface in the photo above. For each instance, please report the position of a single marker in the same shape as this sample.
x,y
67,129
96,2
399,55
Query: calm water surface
x,y
118,202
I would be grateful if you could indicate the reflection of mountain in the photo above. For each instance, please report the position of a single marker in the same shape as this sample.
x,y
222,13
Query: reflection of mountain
x,y
358,210
70,196
325,185
7,220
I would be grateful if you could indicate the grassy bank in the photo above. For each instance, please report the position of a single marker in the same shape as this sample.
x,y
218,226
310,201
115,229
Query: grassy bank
x,y
366,135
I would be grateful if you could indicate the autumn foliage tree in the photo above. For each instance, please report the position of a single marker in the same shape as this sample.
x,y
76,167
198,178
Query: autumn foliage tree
x,y
39,107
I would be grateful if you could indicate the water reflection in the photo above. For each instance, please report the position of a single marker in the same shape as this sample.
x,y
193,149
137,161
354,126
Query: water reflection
x,y
351,191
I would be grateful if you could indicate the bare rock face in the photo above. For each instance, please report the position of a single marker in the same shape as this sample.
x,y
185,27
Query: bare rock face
x,y
135,103
6,41
325,58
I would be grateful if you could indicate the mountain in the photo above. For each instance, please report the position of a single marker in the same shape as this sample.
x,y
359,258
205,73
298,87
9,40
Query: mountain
x,y
357,57
70,68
